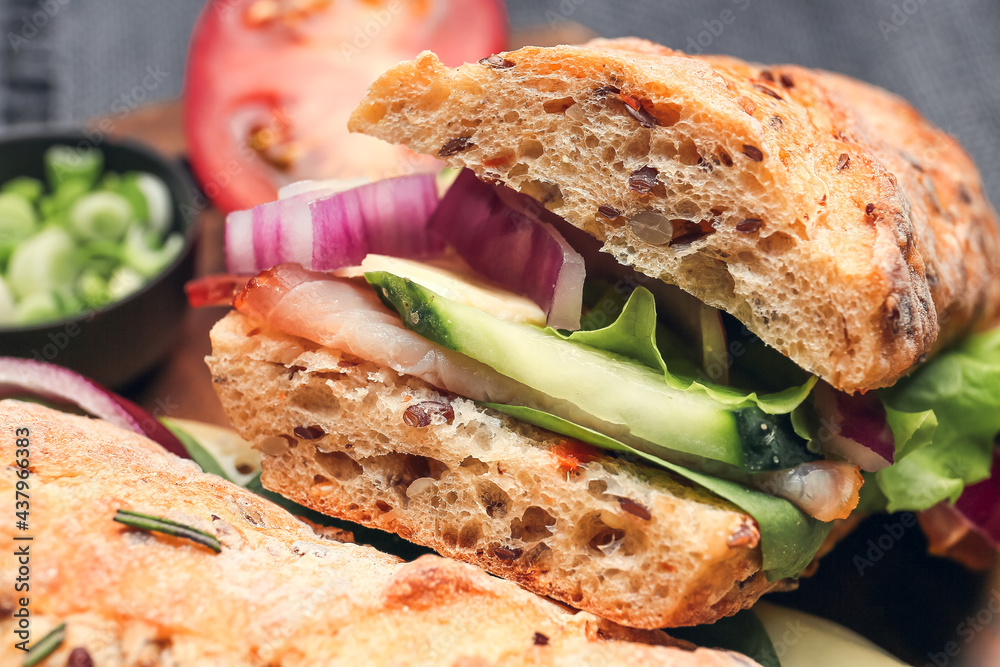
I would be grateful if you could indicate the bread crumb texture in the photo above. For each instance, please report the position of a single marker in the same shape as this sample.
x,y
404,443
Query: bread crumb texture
x,y
278,594
352,440
824,213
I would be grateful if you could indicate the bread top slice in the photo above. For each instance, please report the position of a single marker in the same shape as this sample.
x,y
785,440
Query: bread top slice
x,y
824,213
277,593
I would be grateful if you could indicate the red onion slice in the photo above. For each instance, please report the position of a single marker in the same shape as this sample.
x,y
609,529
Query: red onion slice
x,y
324,230
27,376
980,503
320,188
513,246
855,427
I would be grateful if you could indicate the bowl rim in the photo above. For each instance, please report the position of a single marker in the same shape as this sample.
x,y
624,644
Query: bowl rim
x,y
73,135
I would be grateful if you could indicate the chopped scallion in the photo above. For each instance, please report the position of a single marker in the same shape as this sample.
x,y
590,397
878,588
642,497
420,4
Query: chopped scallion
x,y
63,163
91,238
100,216
45,262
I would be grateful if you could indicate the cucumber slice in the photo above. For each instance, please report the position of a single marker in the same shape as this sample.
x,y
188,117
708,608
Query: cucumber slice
x,y
66,162
43,263
101,216
619,397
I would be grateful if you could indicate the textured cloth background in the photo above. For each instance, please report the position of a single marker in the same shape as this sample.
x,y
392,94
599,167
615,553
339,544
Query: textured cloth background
x,y
69,60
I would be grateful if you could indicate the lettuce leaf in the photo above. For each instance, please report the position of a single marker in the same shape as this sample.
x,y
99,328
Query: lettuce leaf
x,y
789,538
634,334
945,417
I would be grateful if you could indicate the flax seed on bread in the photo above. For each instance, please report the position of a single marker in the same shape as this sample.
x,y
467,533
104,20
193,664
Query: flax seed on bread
x,y
357,441
277,594
826,214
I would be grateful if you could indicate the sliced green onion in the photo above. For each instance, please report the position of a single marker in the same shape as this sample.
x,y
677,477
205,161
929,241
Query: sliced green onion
x,y
93,289
101,215
128,188
102,249
124,281
111,181
66,250
69,302
36,308
143,257
45,646
43,263
17,217
65,162
29,188
167,527
68,193
159,205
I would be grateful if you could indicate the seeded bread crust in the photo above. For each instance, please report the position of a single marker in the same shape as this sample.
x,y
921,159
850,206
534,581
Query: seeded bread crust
x,y
824,213
277,594
626,542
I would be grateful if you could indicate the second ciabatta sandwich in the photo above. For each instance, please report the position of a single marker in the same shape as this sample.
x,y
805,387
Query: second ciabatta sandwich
x,y
825,215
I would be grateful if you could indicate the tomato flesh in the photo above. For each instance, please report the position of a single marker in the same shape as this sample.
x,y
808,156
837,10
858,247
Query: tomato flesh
x,y
270,85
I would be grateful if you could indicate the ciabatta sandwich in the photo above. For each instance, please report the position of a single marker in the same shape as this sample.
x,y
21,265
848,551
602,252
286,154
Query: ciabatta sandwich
x,y
642,468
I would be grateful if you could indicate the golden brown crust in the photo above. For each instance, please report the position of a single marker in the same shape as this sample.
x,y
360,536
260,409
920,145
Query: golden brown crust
x,y
484,488
276,594
786,196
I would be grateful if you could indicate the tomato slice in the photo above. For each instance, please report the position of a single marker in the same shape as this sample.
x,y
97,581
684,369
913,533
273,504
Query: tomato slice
x,y
270,85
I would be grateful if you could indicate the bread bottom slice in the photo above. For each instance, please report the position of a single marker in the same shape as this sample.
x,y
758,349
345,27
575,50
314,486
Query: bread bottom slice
x,y
360,442
277,594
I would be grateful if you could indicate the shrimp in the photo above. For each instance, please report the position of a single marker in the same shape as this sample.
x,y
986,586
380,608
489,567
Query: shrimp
x,y
826,490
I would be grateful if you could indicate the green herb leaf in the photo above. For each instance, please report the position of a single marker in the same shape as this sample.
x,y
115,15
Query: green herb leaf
x,y
789,537
168,527
45,646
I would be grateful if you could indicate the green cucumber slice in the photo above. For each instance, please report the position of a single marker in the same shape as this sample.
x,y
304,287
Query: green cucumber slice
x,y
613,394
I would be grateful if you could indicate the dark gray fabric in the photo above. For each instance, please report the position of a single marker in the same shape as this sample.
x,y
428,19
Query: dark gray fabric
x,y
71,59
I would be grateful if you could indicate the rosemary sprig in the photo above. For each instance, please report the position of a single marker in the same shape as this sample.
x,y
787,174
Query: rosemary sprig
x,y
168,527
44,647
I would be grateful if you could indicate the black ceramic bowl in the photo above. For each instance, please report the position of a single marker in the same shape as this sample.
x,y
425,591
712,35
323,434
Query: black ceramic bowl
x,y
119,342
